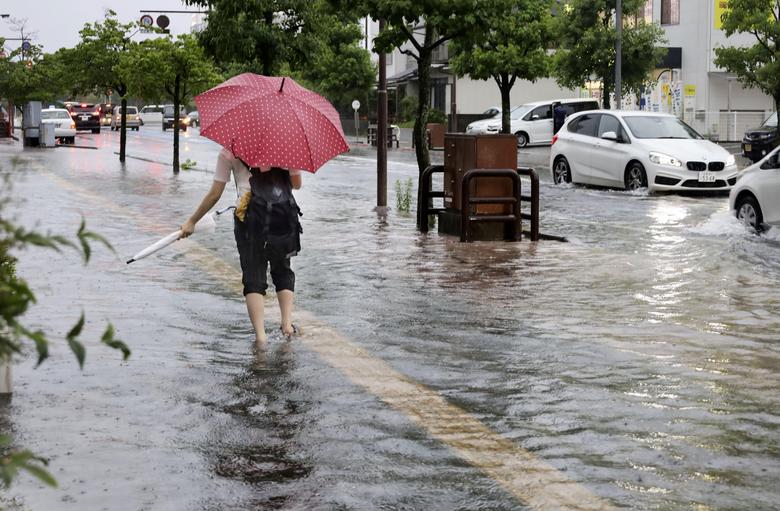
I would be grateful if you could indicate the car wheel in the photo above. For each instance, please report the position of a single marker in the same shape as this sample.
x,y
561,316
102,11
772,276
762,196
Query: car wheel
x,y
636,177
561,171
522,139
749,212
95,130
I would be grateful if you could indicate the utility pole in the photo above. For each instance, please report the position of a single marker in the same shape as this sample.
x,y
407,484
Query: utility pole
x,y
618,53
381,136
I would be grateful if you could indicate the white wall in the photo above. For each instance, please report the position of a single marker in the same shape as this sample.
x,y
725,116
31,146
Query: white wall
x,y
476,96
697,36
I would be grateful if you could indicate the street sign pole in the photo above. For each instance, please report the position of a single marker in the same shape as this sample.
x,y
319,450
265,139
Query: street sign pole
x,y
356,107
381,136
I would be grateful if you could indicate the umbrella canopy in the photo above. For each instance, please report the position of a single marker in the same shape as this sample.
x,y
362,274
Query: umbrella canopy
x,y
271,121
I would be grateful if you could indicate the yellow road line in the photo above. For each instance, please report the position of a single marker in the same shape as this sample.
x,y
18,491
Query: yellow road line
x,y
530,479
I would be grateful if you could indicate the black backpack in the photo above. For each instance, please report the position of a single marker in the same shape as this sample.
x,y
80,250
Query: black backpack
x,y
272,213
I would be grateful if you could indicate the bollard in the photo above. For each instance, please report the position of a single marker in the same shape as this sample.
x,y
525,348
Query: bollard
x,y
5,377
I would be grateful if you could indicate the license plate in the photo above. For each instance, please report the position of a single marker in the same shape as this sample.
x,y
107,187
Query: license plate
x,y
706,177
84,117
748,148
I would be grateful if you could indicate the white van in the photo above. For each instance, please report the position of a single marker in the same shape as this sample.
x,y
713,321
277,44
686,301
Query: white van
x,y
537,122
151,114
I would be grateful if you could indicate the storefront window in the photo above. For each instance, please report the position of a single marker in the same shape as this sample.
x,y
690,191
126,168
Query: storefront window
x,y
670,12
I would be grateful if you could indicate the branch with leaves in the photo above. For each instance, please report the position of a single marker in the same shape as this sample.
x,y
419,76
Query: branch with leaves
x,y
16,297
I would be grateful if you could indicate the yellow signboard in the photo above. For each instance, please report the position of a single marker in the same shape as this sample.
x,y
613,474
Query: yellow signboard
x,y
721,6
690,91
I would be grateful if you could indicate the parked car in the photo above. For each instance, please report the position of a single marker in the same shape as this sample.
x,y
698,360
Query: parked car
x,y
105,113
533,122
64,125
492,125
194,118
760,141
151,114
633,149
86,116
132,119
755,199
168,117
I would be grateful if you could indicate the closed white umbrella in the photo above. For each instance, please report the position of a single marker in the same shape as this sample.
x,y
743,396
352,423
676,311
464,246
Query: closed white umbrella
x,y
205,224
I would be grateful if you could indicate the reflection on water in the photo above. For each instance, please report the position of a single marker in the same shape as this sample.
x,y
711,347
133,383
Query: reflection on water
x,y
641,359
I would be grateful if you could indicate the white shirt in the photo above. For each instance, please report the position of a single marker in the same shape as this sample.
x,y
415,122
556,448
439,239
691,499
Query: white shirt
x,y
227,164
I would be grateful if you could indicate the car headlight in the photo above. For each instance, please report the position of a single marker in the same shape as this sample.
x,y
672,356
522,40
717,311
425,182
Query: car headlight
x,y
731,160
665,160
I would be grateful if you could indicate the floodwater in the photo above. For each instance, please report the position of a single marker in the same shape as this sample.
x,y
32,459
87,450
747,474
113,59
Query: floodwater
x,y
640,359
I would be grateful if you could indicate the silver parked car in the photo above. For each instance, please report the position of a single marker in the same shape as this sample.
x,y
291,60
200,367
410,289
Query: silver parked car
x,y
133,120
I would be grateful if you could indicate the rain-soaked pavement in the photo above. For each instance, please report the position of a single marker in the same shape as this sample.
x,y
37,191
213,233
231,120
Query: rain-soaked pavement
x,y
638,362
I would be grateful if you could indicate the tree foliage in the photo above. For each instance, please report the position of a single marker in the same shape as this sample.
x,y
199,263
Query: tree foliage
x,y
174,69
586,35
419,28
93,64
757,65
37,76
515,46
16,298
307,39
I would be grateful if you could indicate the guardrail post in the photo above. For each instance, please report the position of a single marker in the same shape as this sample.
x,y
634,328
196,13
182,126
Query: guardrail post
x,y
6,384
534,198
424,196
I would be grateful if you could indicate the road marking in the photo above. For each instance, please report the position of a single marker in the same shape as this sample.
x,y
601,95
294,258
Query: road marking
x,y
526,476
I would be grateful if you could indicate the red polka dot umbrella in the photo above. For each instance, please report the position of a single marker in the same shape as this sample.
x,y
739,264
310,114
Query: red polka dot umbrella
x,y
273,121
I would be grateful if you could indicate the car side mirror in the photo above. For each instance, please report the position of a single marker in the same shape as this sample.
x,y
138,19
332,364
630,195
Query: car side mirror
x,y
534,117
611,135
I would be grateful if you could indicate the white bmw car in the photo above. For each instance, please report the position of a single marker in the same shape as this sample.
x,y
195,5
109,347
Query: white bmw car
x,y
755,199
633,149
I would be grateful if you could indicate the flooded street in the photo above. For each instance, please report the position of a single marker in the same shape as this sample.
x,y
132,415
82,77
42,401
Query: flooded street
x,y
638,362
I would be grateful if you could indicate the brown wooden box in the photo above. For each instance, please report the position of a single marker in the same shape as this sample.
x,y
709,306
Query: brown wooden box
x,y
466,152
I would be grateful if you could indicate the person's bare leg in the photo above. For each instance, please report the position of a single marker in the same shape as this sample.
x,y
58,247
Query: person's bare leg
x,y
255,306
285,298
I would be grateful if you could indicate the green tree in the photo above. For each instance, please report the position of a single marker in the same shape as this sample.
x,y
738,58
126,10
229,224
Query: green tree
x,y
419,28
16,298
307,39
167,68
38,76
94,63
336,65
261,35
587,36
514,47
757,65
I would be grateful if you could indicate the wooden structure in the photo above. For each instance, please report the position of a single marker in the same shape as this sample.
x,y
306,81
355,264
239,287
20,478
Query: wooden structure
x,y
481,190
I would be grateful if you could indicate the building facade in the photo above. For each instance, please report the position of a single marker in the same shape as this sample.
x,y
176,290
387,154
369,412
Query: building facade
x,y
687,83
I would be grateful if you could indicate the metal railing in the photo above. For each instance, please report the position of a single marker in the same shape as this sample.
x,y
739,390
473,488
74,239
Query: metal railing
x,y
724,126
426,194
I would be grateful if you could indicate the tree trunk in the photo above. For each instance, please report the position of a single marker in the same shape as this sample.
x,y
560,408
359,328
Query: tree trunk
x,y
267,52
606,86
505,87
176,103
424,81
123,130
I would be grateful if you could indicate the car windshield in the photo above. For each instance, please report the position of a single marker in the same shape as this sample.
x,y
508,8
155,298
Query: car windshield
x,y
771,121
130,110
54,114
651,126
520,111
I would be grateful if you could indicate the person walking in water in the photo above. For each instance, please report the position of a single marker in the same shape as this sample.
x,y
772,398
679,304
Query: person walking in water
x,y
267,231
